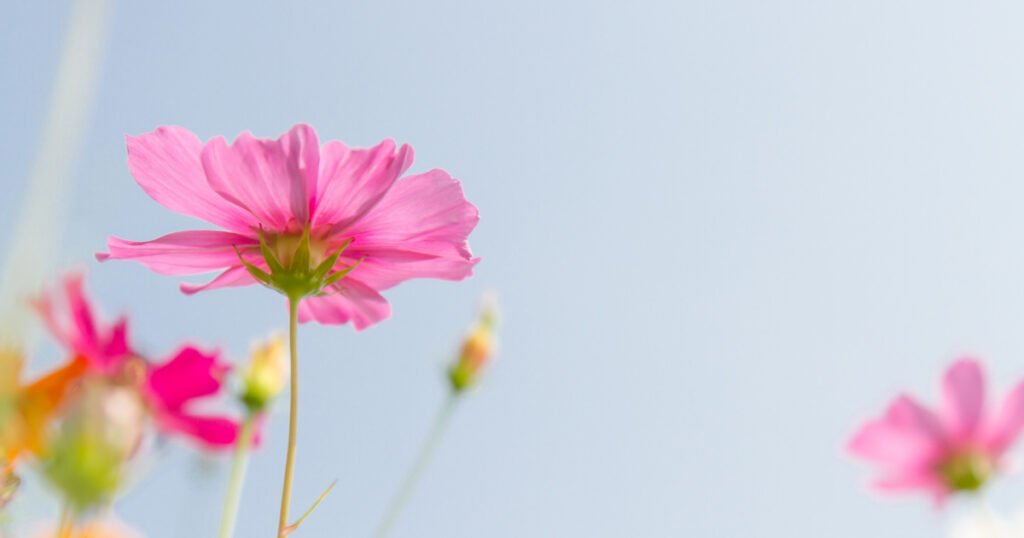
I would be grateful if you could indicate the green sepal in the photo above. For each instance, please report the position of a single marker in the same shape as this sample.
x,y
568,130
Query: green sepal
x,y
256,272
300,260
331,280
328,264
297,279
273,263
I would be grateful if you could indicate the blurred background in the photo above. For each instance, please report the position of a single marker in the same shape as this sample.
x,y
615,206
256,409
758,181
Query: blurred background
x,y
723,233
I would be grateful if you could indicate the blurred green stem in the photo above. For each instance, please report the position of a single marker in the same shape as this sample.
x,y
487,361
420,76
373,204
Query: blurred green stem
x,y
67,520
237,479
293,412
423,459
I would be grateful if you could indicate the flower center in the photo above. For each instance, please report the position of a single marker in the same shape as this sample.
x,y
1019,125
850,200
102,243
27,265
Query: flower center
x,y
286,246
300,266
967,471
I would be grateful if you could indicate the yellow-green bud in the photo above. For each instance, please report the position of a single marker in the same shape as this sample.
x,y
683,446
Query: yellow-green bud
x,y
93,444
266,374
477,349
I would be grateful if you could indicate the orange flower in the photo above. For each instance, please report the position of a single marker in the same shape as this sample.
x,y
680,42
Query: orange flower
x,y
26,409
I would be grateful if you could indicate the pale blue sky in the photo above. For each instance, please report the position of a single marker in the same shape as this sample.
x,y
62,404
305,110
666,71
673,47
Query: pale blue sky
x,y
723,233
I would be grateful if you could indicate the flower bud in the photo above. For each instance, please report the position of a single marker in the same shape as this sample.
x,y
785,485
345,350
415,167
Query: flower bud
x,y
89,452
477,349
266,374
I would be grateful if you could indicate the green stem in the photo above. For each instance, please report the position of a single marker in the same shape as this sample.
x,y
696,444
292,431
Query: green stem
x,y
67,520
426,454
237,479
293,412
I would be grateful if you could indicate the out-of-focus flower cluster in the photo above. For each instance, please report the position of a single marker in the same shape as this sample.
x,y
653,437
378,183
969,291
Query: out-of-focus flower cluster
x,y
84,423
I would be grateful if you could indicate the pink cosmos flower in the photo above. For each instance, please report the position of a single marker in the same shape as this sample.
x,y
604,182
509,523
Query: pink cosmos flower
x,y
956,448
362,221
70,318
171,389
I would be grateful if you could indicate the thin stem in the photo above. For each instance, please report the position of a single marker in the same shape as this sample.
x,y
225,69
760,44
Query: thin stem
x,y
237,478
423,459
293,413
67,520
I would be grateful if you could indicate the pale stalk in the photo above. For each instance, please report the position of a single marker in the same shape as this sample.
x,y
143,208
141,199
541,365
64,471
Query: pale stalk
x,y
67,521
35,233
237,479
293,413
423,459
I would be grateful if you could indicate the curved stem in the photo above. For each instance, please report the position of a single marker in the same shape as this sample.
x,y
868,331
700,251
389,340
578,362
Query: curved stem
x,y
293,412
237,479
426,454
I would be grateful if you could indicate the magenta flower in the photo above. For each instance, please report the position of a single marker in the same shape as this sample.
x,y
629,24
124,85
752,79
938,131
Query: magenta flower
x,y
183,381
71,319
171,389
957,448
299,216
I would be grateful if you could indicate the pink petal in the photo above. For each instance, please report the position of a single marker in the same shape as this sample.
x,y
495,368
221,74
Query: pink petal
x,y
384,269
881,442
907,436
272,179
115,346
917,480
352,181
188,375
963,399
351,300
181,253
78,329
420,229
1008,422
231,278
166,164
216,433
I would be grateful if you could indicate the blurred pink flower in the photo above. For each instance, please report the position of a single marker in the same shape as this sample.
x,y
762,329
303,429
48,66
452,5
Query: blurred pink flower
x,y
180,382
351,200
169,388
956,448
70,317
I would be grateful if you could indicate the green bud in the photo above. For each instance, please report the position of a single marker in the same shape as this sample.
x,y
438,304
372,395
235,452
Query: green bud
x,y
477,349
266,374
92,446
